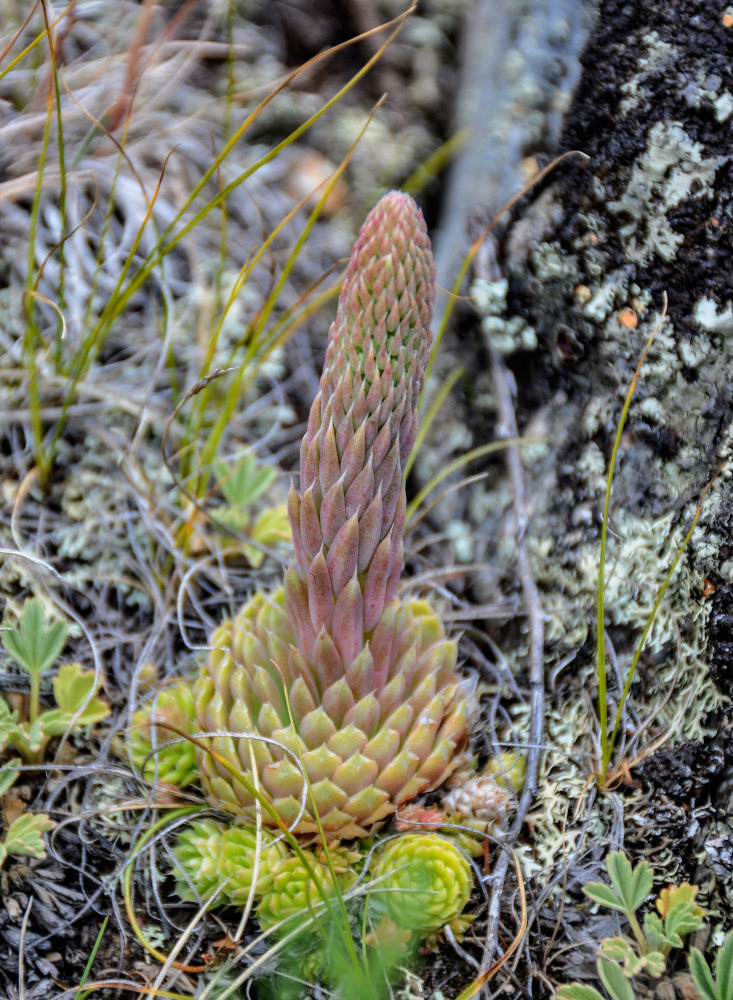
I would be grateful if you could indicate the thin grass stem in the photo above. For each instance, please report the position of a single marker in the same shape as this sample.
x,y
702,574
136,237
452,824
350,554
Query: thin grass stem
x,y
600,591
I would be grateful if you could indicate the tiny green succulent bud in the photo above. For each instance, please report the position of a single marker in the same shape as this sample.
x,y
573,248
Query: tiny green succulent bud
x,y
168,765
240,861
508,769
424,880
294,889
210,854
198,855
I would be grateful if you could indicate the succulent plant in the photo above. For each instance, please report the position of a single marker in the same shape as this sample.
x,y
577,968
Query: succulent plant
x,y
174,764
332,677
480,798
210,854
197,852
293,889
425,881
240,860
508,769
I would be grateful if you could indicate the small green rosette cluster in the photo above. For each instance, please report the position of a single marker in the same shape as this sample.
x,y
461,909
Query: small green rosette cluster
x,y
170,714
210,855
424,881
300,888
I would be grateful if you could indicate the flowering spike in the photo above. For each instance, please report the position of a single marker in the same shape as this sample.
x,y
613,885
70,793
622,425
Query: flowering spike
x,y
384,313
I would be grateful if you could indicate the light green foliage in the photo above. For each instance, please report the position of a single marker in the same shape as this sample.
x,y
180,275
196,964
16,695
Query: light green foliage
x,y
302,885
243,483
508,769
210,854
35,647
423,880
718,986
74,690
23,836
620,959
174,763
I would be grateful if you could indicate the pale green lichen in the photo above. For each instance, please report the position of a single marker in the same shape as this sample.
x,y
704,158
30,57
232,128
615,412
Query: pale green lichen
x,y
506,334
667,173
609,295
707,315
653,54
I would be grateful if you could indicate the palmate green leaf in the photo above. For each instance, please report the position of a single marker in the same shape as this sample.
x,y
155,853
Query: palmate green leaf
x,y
74,689
656,963
720,985
641,884
603,894
613,978
618,949
8,724
270,528
655,934
681,913
24,836
33,646
578,991
29,738
54,722
244,481
632,885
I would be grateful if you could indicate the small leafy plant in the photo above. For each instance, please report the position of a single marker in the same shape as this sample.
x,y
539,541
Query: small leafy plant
x,y
654,935
243,483
23,836
717,986
35,647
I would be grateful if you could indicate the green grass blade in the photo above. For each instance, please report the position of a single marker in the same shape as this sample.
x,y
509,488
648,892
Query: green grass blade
x,y
80,993
426,422
652,616
600,590
61,287
36,41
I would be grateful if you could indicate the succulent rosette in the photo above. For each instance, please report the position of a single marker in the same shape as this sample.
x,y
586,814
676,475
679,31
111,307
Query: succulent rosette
x,y
210,854
197,852
174,764
295,890
332,697
424,881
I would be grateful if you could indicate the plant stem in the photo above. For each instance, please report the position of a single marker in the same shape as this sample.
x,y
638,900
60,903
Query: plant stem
x,y
35,695
638,932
